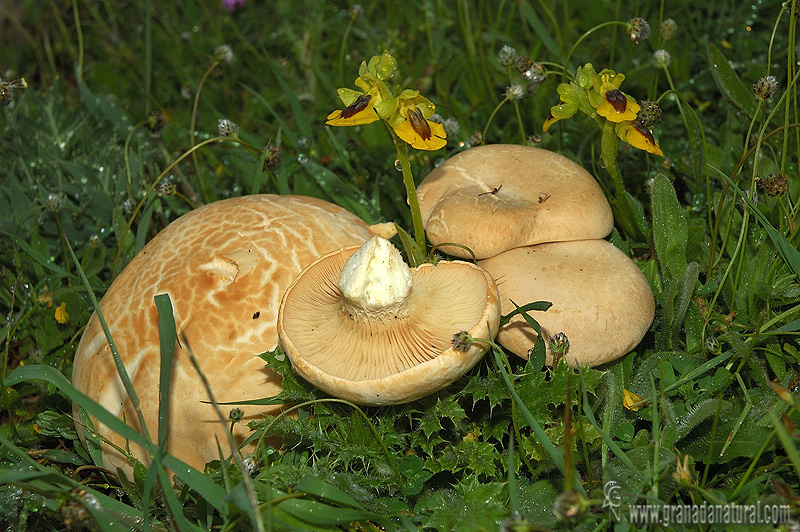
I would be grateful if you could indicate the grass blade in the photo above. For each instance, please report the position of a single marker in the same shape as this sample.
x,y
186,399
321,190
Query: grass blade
x,y
167,337
541,435
788,252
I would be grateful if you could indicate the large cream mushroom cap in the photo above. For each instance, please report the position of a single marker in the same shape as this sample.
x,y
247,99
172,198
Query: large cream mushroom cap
x,y
393,343
225,267
601,299
497,197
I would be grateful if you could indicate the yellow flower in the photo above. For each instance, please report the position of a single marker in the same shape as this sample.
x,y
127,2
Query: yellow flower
x,y
638,136
411,123
361,110
571,95
407,114
630,400
610,102
375,99
361,106
62,316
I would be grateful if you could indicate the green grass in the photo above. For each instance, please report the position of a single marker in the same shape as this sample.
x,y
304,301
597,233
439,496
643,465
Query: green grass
x,y
119,93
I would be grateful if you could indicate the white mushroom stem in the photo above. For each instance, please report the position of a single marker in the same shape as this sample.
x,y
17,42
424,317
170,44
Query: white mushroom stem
x,y
375,278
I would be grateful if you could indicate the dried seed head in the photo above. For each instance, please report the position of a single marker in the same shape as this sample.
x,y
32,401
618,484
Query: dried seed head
x,y
515,92
559,344
507,56
661,58
461,341
251,465
476,139
523,63
227,128
274,159
765,87
774,185
668,29
649,114
223,54
638,29
535,74
7,90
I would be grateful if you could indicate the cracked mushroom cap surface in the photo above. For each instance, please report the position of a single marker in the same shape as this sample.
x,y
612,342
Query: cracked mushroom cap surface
x,y
377,353
497,197
225,267
601,299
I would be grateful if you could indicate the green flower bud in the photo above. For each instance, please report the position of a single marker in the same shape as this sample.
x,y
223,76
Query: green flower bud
x,y
382,66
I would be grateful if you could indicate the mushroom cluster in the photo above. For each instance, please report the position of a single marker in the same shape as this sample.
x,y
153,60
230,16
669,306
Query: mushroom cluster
x,y
536,220
225,266
361,325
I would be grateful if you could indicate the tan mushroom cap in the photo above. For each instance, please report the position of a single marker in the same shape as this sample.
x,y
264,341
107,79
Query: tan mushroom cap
x,y
497,197
601,299
225,267
392,357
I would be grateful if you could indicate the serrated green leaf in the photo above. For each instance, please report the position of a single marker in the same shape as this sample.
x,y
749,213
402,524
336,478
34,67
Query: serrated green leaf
x,y
470,507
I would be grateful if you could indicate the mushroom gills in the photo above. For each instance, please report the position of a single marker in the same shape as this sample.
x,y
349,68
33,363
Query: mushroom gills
x,y
375,342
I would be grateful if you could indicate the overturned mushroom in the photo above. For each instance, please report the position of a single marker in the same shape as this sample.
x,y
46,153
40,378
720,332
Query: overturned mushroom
x,y
225,267
602,302
361,325
497,197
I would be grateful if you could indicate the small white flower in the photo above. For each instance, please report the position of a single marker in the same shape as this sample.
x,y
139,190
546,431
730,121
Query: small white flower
x,y
661,58
507,56
224,54
515,92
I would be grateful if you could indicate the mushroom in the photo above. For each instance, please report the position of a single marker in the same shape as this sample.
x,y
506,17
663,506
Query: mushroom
x,y
359,324
601,300
225,267
536,218
497,197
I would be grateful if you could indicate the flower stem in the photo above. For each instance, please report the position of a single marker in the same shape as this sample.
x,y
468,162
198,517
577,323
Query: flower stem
x,y
622,203
196,104
523,137
491,117
609,145
413,202
584,36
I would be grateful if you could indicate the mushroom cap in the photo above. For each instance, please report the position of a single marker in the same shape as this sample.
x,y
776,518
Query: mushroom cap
x,y
601,299
400,356
225,267
497,197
